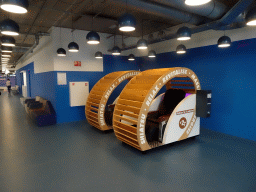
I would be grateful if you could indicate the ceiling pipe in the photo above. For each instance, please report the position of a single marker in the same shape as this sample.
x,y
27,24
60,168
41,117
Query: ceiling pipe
x,y
30,50
227,19
212,10
162,11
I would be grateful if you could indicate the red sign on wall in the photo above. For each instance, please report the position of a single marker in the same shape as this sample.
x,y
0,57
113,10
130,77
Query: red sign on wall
x,y
77,63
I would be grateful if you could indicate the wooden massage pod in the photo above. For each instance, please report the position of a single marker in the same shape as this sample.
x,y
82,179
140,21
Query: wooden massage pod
x,y
135,100
99,95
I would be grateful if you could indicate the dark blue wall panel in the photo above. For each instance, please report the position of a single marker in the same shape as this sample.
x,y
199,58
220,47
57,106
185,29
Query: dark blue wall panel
x,y
230,74
65,113
41,84
4,78
45,85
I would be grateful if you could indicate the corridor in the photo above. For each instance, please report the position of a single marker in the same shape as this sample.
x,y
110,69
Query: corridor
x,y
77,157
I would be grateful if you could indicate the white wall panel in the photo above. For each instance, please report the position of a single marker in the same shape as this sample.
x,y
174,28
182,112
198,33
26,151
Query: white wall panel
x,y
86,52
205,38
78,93
42,56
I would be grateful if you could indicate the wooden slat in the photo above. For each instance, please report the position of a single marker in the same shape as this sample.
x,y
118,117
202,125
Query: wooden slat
x,y
93,117
130,102
88,111
125,132
106,80
149,76
128,108
143,81
95,96
103,86
135,91
94,100
90,119
132,97
93,109
93,120
94,104
130,132
128,142
127,113
95,125
135,141
117,117
91,114
98,92
139,86
126,127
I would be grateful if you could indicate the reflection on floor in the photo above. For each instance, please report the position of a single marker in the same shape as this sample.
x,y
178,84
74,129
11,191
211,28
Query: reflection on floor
x,y
76,157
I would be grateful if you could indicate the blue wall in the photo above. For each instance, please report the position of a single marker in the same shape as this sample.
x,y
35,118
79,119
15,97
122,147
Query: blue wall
x,y
45,85
41,84
230,74
3,79
65,113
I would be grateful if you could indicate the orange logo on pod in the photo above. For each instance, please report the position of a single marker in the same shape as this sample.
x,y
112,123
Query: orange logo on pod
x,y
183,122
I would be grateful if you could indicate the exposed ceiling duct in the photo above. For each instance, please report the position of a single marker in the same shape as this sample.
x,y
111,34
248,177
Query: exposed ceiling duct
x,y
212,10
162,11
29,50
225,21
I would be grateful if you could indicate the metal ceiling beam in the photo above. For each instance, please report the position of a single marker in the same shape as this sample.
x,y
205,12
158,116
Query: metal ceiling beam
x,y
227,19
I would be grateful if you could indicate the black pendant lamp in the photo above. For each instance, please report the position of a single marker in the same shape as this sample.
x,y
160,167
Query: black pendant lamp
x,y
73,46
15,6
116,50
98,55
6,49
196,2
152,54
10,27
251,18
183,34
61,52
181,49
224,42
93,38
131,57
127,22
7,41
142,43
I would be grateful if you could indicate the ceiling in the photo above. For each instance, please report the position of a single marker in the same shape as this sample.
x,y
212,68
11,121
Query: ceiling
x,y
43,14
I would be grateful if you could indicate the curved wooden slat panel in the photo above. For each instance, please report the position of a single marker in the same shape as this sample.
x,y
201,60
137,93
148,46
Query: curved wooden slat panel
x,y
99,95
135,100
